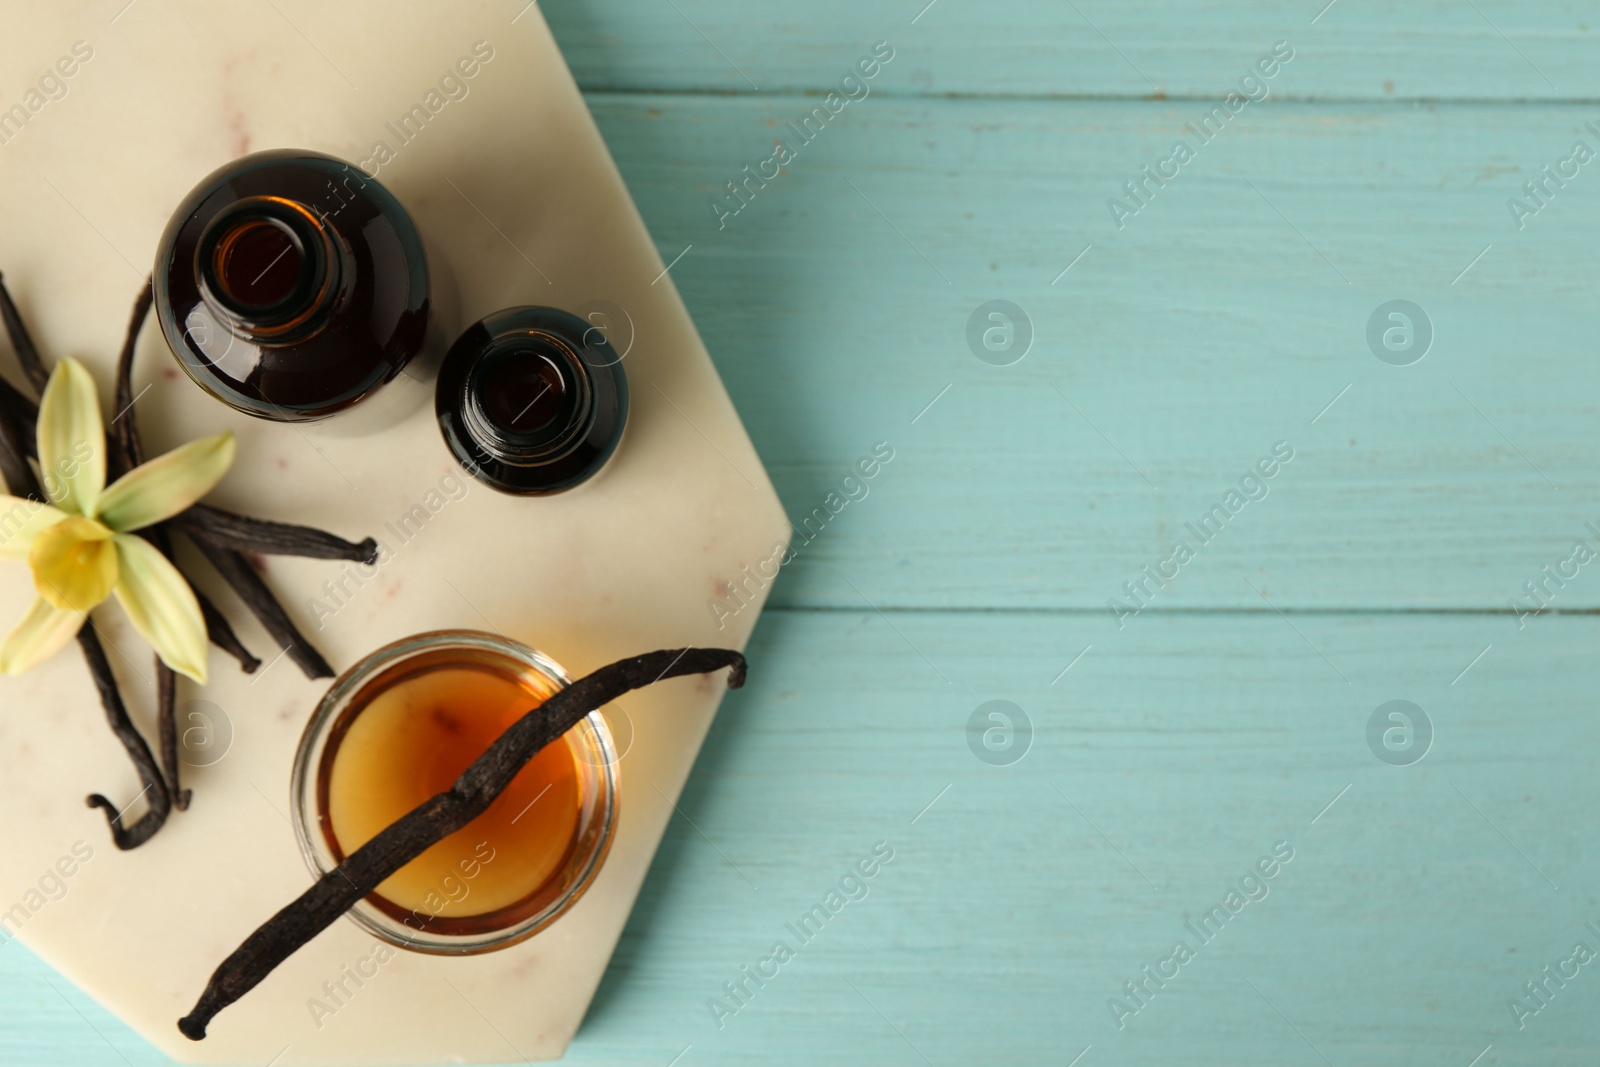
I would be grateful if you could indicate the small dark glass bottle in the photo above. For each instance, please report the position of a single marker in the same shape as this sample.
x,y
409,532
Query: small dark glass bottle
x,y
532,400
290,285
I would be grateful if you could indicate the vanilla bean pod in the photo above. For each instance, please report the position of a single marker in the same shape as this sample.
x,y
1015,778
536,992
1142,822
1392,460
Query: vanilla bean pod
x,y
127,453
220,631
245,534
436,818
155,787
20,479
167,720
125,427
124,837
23,405
13,450
27,354
237,572
167,698
24,408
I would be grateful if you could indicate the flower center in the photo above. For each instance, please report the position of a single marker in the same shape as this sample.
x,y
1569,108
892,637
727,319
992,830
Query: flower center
x,y
74,563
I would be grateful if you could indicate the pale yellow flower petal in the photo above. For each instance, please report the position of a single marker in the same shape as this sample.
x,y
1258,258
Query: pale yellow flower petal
x,y
72,440
74,563
39,635
166,485
20,521
161,606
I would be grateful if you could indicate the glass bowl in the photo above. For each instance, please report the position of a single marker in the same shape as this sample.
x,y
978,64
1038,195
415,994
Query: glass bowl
x,y
388,691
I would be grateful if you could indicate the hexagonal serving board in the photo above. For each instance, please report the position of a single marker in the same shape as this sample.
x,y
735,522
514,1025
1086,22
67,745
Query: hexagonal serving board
x,y
520,202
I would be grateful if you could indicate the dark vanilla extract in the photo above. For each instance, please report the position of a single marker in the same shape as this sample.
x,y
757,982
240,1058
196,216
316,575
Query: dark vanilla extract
x,y
290,285
259,264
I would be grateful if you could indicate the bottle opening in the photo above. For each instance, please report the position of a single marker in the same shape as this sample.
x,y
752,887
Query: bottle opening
x,y
259,263
528,397
268,269
524,392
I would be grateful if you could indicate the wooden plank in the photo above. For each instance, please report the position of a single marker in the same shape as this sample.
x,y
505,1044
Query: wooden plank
x,y
1429,49
1225,316
1017,904
1007,921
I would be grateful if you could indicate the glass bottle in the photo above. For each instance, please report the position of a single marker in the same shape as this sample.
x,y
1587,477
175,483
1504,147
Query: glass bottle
x,y
290,285
532,400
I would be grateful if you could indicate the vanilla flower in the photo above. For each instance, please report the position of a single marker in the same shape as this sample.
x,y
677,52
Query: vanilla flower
x,y
82,547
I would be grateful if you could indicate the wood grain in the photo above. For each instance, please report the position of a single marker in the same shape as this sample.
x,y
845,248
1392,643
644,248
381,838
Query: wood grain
x,y
1224,317
1430,49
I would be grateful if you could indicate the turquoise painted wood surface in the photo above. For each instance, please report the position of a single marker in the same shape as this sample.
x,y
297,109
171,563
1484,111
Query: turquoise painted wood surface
x,y
1172,752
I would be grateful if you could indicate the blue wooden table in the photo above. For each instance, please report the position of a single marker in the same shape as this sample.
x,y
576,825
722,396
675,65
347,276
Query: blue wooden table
x,y
1270,432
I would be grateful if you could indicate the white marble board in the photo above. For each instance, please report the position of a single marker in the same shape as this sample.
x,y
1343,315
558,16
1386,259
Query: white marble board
x,y
521,203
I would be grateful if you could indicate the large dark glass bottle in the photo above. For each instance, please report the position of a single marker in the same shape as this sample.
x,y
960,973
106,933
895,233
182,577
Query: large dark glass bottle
x,y
532,400
290,285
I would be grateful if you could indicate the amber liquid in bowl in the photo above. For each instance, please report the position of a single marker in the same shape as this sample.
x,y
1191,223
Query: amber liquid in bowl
x,y
406,736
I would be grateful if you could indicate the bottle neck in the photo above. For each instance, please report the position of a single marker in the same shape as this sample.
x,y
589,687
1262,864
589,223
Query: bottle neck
x,y
528,398
271,271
